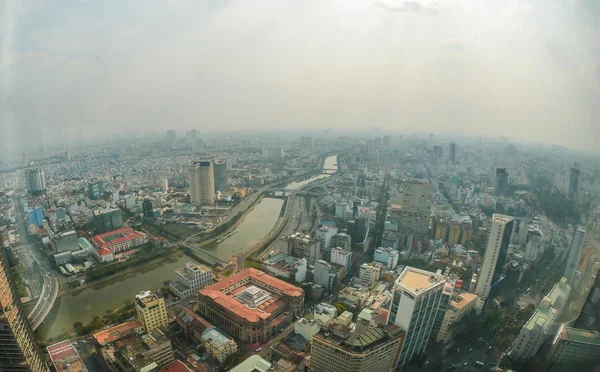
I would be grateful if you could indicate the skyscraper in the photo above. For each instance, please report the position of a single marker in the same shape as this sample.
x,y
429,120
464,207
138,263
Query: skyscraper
x,y
413,215
574,182
453,153
495,256
221,181
35,182
147,209
107,220
574,252
202,182
171,135
501,184
437,152
306,141
151,310
18,348
95,189
417,296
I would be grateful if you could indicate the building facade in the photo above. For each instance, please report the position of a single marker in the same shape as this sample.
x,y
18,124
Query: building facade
x,y
96,189
35,181
573,182
417,295
574,347
387,256
221,175
413,214
18,348
119,240
217,344
342,257
324,235
577,242
202,182
495,257
107,220
501,182
460,306
369,273
304,246
66,241
151,310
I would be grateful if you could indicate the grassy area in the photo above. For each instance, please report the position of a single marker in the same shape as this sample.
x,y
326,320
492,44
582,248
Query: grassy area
x,y
226,273
18,275
177,230
250,263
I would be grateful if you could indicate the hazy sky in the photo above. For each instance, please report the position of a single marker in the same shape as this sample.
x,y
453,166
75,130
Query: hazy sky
x,y
527,69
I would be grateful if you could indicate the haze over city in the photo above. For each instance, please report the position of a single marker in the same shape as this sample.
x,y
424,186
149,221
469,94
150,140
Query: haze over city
x,y
528,70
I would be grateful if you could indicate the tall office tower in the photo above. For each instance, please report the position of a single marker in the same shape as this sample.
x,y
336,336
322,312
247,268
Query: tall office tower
x,y
96,189
574,252
387,139
151,310
66,241
501,185
437,152
193,136
413,215
574,181
18,348
417,296
453,153
147,209
164,185
430,137
171,135
35,182
221,181
202,182
306,141
365,346
107,220
495,256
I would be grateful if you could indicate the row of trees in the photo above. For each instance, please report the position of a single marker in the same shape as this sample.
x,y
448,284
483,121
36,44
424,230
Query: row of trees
x,y
112,317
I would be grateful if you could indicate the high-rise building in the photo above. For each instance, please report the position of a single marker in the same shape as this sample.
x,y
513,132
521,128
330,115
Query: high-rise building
x,y
413,214
443,307
151,310
573,347
387,139
96,189
18,348
501,184
495,257
574,181
543,323
66,241
577,242
437,152
147,209
325,274
221,179
164,185
306,141
192,136
341,257
369,272
171,135
324,235
365,346
190,279
202,182
453,153
107,220
417,295
341,211
35,181
304,246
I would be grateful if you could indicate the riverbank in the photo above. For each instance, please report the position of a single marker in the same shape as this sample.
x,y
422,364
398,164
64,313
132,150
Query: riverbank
x,y
175,253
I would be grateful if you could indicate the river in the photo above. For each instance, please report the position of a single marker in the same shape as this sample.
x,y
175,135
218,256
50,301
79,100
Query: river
x,y
111,294
329,167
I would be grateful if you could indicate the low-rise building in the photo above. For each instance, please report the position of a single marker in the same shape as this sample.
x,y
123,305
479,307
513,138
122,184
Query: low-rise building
x,y
190,279
193,325
253,363
327,274
307,328
119,240
217,344
387,256
324,312
286,266
324,235
65,358
369,272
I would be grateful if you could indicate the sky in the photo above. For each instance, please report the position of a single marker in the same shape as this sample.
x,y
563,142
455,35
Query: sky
x,y
525,69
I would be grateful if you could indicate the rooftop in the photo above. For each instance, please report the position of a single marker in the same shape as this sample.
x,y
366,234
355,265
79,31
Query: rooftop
x,y
465,299
175,366
417,280
502,218
114,333
116,236
580,336
253,363
542,316
145,297
65,357
216,337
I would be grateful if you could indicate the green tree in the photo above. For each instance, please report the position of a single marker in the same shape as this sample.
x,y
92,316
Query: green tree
x,y
340,308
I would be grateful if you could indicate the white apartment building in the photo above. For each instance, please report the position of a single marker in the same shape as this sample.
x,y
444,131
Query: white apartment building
x,y
190,279
417,295
342,257
495,257
217,344
542,323
324,235
369,272
202,182
387,256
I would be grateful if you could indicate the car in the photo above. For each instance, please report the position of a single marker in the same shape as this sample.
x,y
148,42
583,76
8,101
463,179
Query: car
x,y
465,363
490,348
259,349
471,349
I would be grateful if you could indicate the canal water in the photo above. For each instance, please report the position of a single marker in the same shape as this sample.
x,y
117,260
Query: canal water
x,y
109,295
329,167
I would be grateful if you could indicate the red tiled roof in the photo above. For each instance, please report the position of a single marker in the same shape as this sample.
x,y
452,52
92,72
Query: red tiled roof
x,y
231,304
116,332
61,350
127,232
175,366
